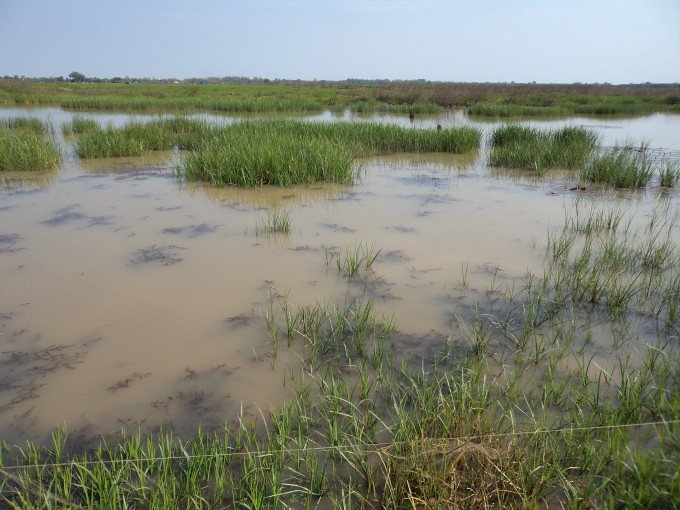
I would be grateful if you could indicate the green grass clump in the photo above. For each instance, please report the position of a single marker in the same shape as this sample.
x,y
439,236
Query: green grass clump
x,y
375,138
25,125
515,146
23,151
621,167
108,143
275,221
286,152
137,138
79,125
253,157
669,174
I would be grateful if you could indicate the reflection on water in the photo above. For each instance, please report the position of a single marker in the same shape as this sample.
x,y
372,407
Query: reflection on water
x,y
26,181
268,196
130,298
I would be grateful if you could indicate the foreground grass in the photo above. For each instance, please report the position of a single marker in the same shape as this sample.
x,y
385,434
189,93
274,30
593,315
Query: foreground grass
x,y
513,410
24,146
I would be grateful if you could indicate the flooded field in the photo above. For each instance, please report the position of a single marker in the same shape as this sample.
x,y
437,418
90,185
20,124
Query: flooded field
x,y
130,298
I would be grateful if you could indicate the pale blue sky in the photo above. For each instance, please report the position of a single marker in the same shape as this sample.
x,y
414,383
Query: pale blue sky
x,y
558,41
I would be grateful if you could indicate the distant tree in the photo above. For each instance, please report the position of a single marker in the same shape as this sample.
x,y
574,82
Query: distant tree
x,y
76,76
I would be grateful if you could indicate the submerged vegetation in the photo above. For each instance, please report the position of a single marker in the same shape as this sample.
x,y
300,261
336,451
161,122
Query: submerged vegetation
x,y
25,146
463,425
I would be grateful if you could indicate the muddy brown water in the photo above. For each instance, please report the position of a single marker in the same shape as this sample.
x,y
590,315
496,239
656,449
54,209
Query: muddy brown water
x,y
128,298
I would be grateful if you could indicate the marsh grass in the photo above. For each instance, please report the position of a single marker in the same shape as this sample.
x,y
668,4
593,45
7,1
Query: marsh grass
x,y
598,261
248,156
25,125
622,167
515,110
79,125
136,138
511,411
286,152
298,96
357,257
275,221
21,150
516,146
669,172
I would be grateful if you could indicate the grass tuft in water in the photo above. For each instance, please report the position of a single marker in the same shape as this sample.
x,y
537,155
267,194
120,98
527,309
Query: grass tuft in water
x,y
137,138
515,146
22,150
669,172
79,125
25,125
275,221
285,152
621,167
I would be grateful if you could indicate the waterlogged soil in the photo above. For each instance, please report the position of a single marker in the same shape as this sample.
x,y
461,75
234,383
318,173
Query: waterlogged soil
x,y
131,299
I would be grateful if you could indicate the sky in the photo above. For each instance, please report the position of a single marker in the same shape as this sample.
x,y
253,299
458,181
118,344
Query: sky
x,y
546,41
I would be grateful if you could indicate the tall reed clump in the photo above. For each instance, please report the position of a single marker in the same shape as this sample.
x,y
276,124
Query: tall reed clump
x,y
621,167
516,146
21,149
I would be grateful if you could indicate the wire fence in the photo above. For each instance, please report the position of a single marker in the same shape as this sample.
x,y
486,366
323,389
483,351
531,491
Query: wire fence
x,y
376,448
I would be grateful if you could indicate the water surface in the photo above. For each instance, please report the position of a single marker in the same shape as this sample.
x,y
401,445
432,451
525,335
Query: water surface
x,y
131,298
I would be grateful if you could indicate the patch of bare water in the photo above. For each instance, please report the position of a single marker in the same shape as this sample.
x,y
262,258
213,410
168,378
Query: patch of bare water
x,y
129,298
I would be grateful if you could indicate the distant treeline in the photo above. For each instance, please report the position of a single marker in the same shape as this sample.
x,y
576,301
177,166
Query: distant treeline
x,y
348,81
